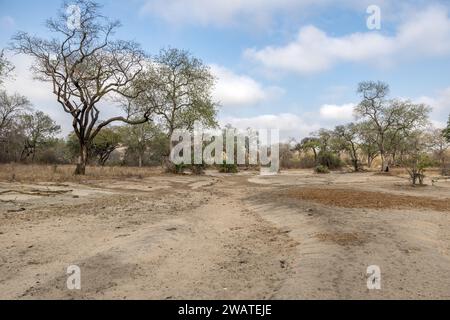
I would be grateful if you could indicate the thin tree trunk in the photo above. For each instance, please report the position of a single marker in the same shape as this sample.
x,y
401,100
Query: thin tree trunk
x,y
140,160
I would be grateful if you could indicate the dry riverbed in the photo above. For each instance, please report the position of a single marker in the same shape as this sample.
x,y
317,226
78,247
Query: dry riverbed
x,y
292,236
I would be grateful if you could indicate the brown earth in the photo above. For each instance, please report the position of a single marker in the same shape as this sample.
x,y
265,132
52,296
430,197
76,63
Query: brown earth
x,y
346,198
155,236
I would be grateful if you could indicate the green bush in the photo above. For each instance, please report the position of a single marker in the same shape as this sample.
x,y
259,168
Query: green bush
x,y
322,169
228,168
329,160
179,168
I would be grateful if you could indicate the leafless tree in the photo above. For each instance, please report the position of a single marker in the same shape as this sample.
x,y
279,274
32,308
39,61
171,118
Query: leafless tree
x,y
10,107
86,68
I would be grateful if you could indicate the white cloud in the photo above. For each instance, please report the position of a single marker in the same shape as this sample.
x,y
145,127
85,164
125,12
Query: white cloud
x,y
41,94
235,90
335,112
425,33
440,103
232,12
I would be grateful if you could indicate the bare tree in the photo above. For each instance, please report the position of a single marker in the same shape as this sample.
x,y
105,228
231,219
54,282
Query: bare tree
x,y
86,67
10,108
5,67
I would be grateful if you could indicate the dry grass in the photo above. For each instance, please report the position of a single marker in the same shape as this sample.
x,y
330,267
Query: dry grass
x,y
65,173
367,199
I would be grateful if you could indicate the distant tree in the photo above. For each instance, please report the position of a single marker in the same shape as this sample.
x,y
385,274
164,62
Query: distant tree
x,y
85,67
417,159
5,67
11,106
447,130
348,137
438,144
100,149
179,90
389,117
310,144
104,144
140,139
367,135
38,129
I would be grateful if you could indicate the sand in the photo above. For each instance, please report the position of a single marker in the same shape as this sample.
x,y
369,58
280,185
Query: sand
x,y
226,237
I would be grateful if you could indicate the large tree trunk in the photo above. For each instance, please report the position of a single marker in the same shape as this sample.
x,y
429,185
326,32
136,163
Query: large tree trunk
x,y
82,160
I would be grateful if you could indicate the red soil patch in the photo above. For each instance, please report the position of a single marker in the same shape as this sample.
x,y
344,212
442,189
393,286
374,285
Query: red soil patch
x,y
367,199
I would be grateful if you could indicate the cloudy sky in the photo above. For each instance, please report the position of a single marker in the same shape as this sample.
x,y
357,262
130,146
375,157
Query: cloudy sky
x,y
288,64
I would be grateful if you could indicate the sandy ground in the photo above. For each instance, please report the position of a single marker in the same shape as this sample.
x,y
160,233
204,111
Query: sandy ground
x,y
226,237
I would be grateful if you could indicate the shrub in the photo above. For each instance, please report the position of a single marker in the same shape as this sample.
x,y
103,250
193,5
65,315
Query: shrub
x,y
179,168
322,169
228,168
329,160
198,169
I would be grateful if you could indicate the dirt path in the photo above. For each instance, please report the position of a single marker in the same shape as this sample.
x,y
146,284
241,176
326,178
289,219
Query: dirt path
x,y
336,245
194,248
220,238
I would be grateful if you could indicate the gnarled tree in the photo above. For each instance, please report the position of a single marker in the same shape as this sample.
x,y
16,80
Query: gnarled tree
x,y
86,67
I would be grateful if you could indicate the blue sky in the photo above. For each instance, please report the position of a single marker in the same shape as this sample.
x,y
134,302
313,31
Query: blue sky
x,y
288,64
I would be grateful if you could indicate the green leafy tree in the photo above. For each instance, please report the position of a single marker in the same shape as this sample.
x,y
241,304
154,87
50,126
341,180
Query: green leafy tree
x,y
447,130
179,91
144,139
38,129
367,135
389,118
104,144
348,140
310,144
417,160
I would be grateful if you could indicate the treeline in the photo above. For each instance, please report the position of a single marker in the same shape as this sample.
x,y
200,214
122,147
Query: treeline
x,y
397,132
89,70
